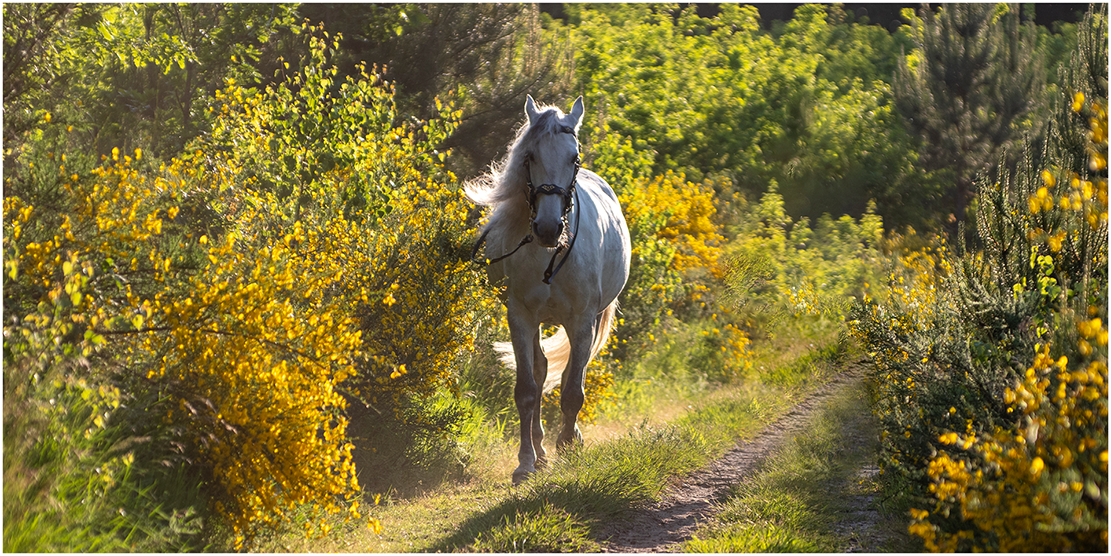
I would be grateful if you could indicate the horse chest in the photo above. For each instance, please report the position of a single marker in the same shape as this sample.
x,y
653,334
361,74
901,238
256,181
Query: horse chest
x,y
553,310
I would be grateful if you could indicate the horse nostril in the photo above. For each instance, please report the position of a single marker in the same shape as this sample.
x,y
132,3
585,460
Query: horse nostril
x,y
547,232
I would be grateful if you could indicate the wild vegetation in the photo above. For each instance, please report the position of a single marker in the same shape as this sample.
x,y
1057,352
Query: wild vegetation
x,y
239,307
992,363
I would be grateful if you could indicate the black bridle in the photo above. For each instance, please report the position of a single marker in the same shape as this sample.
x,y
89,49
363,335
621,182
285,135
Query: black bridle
x,y
568,194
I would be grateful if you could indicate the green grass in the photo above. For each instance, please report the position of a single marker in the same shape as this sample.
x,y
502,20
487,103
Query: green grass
x,y
548,529
673,423
67,491
593,484
794,501
560,508
626,463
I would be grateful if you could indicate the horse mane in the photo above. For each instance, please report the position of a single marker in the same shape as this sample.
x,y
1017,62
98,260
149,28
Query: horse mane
x,y
503,186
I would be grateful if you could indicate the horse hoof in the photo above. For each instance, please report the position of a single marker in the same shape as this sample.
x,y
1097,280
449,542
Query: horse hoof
x,y
521,475
571,443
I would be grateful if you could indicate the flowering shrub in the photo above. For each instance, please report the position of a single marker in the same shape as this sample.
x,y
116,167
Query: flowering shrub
x,y
674,236
242,349
414,294
991,366
305,253
687,212
1042,485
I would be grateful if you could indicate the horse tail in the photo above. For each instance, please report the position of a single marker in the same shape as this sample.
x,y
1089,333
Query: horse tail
x,y
605,326
557,348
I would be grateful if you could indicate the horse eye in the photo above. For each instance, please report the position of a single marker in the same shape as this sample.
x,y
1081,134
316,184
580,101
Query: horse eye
x,y
567,129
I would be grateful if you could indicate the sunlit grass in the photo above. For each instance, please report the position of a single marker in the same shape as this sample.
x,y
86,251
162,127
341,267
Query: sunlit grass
x,y
793,502
627,461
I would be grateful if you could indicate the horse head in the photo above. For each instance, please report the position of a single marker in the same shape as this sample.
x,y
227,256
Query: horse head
x,y
551,167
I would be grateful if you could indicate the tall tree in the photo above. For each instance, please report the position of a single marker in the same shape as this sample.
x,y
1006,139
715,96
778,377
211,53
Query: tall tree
x,y
966,88
489,56
128,75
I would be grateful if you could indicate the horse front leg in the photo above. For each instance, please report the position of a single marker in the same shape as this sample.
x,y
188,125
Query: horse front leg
x,y
526,394
572,391
539,375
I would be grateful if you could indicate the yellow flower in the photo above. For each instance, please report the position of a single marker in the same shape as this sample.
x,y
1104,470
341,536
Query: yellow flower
x,y
1055,241
1036,466
1077,102
1048,178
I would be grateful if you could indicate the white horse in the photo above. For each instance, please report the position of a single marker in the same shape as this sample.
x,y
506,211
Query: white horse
x,y
574,215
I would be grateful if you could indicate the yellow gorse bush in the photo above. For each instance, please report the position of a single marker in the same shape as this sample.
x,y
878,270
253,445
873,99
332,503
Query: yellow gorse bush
x,y
688,213
1041,486
413,292
244,350
304,253
1045,478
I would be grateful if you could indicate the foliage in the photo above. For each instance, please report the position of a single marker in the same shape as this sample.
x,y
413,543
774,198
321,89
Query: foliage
x,y
756,108
778,266
676,237
225,350
394,220
129,76
992,365
235,258
230,312
973,77
487,56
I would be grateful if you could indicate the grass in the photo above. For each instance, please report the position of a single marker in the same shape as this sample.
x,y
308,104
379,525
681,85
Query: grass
x,y
797,500
675,424
77,476
628,460
561,507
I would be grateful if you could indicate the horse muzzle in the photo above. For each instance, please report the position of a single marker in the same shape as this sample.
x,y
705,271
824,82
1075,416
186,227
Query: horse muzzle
x,y
548,232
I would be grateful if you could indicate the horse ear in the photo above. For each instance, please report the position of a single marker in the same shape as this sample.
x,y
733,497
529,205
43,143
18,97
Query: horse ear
x,y
577,112
530,109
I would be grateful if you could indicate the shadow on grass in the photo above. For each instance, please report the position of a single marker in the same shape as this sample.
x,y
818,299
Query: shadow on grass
x,y
589,486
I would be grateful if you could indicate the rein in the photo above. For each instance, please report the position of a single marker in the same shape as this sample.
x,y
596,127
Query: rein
x,y
570,194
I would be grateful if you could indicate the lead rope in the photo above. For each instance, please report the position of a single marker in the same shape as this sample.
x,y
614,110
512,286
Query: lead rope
x,y
482,238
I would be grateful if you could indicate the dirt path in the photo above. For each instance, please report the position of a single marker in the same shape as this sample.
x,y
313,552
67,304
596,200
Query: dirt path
x,y
672,521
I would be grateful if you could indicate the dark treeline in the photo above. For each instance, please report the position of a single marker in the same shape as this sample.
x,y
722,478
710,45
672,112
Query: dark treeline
x,y
807,97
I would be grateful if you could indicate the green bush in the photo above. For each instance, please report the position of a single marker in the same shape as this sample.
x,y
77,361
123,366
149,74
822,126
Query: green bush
x,y
991,362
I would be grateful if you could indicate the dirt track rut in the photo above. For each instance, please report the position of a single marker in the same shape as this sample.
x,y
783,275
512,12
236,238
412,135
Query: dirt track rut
x,y
664,526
